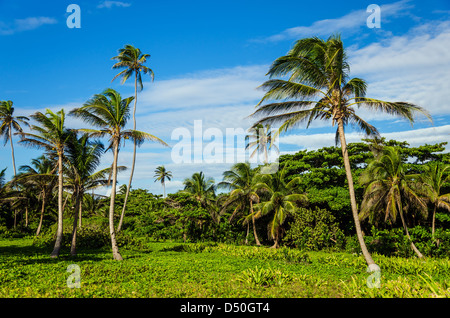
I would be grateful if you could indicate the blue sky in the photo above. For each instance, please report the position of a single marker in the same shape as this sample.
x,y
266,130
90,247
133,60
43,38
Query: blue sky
x,y
208,58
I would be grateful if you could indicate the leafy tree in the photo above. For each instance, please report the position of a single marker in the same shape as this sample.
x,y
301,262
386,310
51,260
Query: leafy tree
x,y
318,87
390,190
109,112
132,60
8,122
52,136
161,174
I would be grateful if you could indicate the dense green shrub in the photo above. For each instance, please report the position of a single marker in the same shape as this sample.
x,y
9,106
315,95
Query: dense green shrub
x,y
314,230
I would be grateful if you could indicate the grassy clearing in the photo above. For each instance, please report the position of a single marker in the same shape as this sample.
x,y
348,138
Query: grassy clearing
x,y
214,270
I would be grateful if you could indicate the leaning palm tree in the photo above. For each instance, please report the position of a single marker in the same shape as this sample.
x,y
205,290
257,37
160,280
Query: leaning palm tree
x,y
432,182
132,60
110,113
241,180
8,122
315,85
52,136
161,174
390,190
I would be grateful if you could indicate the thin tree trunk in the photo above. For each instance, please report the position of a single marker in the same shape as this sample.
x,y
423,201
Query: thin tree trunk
x,y
12,151
254,226
26,215
79,211
134,158
59,231
246,235
42,215
73,249
413,247
433,222
164,188
351,189
115,249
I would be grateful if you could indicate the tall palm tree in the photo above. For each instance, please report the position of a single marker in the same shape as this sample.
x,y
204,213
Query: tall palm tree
x,y
39,176
203,190
316,85
282,201
8,122
390,190
161,174
110,113
241,180
52,136
132,60
260,138
432,182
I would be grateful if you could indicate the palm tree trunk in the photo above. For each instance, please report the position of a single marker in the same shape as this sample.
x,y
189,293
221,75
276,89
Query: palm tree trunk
x,y
254,226
42,215
115,249
59,231
413,247
351,190
164,188
79,211
12,150
134,158
73,250
246,235
433,222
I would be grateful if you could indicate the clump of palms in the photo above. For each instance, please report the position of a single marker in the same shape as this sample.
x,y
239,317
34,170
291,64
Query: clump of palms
x,y
241,180
281,201
52,136
314,84
132,60
110,113
203,190
162,174
390,190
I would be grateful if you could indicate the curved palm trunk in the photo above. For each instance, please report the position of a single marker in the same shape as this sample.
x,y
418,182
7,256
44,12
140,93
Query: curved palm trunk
x,y
112,233
413,247
351,189
42,215
59,231
433,222
254,226
134,159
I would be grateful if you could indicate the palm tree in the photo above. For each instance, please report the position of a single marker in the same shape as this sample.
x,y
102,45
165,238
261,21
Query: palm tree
x,y
282,201
132,60
40,177
261,139
110,113
241,180
432,182
318,87
8,122
203,190
390,190
161,174
51,136
83,157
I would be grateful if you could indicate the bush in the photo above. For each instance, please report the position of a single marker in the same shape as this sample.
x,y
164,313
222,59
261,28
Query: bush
x,y
314,230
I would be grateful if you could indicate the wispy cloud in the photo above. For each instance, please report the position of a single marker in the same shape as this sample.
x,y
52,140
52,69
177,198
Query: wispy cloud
x,y
110,4
20,25
349,23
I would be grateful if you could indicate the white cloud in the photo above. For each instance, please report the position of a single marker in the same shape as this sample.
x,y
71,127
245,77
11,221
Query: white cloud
x,y
20,25
110,4
349,23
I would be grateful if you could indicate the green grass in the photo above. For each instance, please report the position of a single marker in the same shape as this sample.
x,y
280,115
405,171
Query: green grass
x,y
213,270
